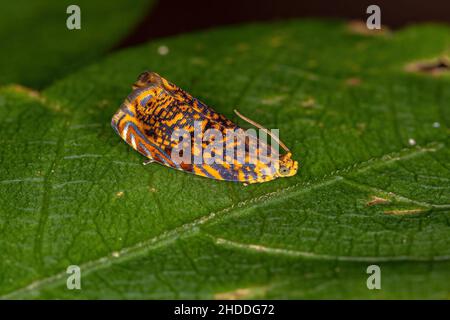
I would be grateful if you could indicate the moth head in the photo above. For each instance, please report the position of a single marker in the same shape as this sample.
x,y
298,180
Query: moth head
x,y
150,79
147,90
147,79
286,166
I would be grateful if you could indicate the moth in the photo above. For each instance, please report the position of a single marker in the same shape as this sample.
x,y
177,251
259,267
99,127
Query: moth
x,y
156,108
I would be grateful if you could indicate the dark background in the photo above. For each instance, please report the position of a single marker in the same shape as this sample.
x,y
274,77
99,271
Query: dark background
x,y
171,17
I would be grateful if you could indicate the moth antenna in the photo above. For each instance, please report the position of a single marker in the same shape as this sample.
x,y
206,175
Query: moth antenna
x,y
256,124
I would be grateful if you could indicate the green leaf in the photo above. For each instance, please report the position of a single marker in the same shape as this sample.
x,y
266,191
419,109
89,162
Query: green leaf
x,y
373,188
38,48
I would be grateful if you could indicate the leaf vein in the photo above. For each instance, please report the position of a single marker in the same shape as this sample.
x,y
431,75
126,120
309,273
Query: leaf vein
x,y
214,217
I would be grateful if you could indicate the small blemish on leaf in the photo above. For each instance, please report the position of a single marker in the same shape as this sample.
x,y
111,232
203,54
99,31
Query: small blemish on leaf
x,y
403,212
233,295
119,194
353,81
376,200
308,103
35,95
412,142
241,293
28,91
152,189
360,27
272,100
115,254
361,127
433,67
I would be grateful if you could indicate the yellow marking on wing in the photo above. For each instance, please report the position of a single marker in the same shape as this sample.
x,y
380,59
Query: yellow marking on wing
x,y
198,171
212,172
175,119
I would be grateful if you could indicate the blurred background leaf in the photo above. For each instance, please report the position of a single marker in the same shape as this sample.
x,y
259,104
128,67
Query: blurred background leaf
x,y
37,48
373,187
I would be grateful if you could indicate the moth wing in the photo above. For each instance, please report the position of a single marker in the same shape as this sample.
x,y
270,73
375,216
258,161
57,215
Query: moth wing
x,y
182,114
174,109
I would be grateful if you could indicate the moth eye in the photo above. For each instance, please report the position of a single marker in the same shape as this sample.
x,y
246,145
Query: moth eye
x,y
284,170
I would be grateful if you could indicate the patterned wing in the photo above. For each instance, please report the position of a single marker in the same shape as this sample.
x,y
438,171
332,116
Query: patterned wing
x,y
157,108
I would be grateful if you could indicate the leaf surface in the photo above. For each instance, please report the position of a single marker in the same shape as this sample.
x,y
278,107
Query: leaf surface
x,y
373,185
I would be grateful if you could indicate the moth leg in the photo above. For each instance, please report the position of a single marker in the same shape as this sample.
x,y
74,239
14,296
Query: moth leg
x,y
148,161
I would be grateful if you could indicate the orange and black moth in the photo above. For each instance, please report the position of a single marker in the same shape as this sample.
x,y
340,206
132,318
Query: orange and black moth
x,y
156,109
